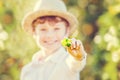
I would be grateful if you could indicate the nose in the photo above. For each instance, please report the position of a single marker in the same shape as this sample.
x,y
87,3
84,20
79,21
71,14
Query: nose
x,y
50,34
50,31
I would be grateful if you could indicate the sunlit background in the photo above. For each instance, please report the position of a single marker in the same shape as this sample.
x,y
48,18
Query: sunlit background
x,y
99,30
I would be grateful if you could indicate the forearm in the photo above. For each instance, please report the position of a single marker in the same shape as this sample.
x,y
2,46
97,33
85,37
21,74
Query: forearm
x,y
76,65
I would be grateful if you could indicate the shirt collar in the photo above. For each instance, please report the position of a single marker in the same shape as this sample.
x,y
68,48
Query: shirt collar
x,y
57,56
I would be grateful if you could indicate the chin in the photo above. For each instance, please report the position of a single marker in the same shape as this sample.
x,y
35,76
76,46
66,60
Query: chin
x,y
53,47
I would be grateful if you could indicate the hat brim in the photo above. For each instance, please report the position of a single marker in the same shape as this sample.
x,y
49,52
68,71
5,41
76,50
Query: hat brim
x,y
30,17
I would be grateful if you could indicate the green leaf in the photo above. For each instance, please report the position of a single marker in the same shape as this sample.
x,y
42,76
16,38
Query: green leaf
x,y
66,42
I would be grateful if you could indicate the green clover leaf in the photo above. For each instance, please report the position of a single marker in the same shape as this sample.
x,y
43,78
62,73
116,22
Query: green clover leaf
x,y
66,42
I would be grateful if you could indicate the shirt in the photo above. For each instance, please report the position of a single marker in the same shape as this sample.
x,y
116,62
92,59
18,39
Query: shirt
x,y
58,66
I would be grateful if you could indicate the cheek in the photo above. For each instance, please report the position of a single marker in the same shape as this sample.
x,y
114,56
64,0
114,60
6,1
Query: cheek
x,y
64,32
61,34
39,39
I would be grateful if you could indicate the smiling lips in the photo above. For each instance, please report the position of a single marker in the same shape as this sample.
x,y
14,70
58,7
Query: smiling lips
x,y
50,42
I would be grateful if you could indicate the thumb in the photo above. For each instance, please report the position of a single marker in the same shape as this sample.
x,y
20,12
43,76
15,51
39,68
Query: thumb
x,y
76,53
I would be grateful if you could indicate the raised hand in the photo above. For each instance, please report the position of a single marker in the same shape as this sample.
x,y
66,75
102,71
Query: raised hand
x,y
74,47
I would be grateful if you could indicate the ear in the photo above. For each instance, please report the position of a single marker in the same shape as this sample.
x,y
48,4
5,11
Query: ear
x,y
34,34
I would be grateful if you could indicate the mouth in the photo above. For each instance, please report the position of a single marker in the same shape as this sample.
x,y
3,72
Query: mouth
x,y
50,42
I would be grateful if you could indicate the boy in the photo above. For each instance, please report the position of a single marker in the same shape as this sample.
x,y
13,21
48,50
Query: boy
x,y
50,23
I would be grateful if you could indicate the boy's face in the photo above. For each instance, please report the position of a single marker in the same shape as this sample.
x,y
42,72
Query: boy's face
x,y
49,34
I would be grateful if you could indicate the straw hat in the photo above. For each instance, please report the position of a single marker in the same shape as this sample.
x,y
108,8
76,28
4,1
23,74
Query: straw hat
x,y
49,8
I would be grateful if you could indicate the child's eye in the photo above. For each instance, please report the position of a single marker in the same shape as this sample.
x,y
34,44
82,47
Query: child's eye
x,y
42,29
57,29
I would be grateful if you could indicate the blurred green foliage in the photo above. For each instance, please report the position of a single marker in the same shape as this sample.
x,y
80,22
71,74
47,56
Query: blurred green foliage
x,y
99,30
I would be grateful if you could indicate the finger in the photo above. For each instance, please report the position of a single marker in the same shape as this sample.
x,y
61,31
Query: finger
x,y
76,53
78,44
73,45
70,50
